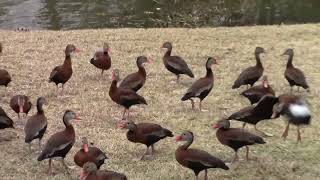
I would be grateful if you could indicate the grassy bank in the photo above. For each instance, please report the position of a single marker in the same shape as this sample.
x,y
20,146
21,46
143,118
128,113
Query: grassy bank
x,y
30,57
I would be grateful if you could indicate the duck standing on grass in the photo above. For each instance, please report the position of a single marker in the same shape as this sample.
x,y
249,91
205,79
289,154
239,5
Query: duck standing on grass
x,y
36,125
252,74
202,87
61,74
236,138
101,59
294,76
60,143
196,159
175,64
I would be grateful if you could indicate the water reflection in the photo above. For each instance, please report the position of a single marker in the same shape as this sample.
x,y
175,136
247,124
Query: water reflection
x,y
77,14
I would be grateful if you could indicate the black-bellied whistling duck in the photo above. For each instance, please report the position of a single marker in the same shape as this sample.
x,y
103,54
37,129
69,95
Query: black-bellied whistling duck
x,y
5,78
252,74
61,74
20,104
196,159
36,125
145,133
91,172
255,113
295,109
101,59
60,143
89,154
5,120
294,76
236,138
136,80
202,87
124,97
255,93
175,64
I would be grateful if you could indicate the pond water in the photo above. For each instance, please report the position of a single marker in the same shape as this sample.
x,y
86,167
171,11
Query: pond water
x,y
80,14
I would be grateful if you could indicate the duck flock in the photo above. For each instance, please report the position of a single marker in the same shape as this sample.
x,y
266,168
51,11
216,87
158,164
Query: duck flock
x,y
264,105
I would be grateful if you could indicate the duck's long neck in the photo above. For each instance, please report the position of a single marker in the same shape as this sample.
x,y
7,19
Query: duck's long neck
x,y
68,125
289,63
113,87
209,72
142,70
67,61
40,108
258,60
168,53
186,145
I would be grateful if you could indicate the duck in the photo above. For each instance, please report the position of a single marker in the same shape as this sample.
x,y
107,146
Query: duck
x,y
5,78
101,59
296,110
175,64
123,96
294,76
62,73
20,104
196,159
89,154
252,74
144,133
202,87
91,172
255,113
255,93
60,143
236,138
136,80
37,124
5,120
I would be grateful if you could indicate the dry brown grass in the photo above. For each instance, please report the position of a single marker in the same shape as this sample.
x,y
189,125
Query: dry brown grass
x,y
30,57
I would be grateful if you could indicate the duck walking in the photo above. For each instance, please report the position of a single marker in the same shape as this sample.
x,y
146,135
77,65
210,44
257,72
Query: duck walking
x,y
102,59
136,80
255,113
37,124
60,143
255,93
202,87
123,96
296,110
196,159
252,74
294,76
236,138
61,74
175,64
145,133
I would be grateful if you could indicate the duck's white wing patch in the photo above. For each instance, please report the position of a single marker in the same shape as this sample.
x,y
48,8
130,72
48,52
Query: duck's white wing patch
x,y
299,110
61,147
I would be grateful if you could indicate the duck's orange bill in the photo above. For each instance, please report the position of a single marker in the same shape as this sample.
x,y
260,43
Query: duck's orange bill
x,y
86,148
178,138
20,109
120,125
109,50
77,50
215,126
77,118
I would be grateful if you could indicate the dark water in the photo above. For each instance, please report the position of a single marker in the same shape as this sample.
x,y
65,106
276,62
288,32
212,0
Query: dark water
x,y
79,14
